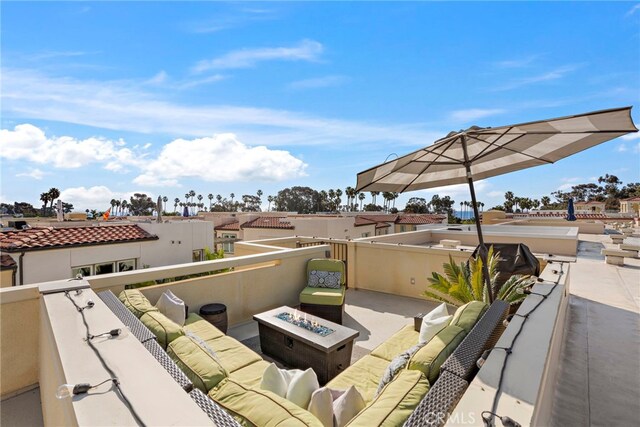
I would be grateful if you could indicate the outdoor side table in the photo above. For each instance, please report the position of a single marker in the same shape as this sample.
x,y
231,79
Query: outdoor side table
x,y
216,314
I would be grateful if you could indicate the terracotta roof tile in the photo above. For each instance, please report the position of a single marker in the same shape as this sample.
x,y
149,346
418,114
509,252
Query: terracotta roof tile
x,y
232,226
269,222
421,219
7,263
52,238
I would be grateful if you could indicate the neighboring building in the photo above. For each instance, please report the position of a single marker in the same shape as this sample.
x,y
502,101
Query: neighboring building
x,y
630,206
8,269
253,226
591,206
48,253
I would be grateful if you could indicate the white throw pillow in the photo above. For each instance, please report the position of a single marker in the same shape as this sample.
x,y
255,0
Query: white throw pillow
x,y
347,406
430,328
293,384
335,408
439,311
172,307
302,387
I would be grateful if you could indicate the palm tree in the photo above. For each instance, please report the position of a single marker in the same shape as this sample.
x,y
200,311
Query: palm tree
x,y
270,200
461,204
210,197
186,197
175,204
192,194
545,200
44,197
54,193
338,200
113,205
232,196
124,205
374,194
464,283
395,196
200,201
361,196
165,199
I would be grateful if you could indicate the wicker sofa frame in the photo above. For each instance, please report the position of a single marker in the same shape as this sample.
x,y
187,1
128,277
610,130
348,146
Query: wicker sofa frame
x,y
219,416
455,374
459,369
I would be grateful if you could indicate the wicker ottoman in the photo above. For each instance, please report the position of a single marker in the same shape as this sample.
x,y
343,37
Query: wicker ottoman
x,y
216,314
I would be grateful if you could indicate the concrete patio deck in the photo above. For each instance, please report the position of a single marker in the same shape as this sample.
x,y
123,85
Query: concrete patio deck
x,y
599,378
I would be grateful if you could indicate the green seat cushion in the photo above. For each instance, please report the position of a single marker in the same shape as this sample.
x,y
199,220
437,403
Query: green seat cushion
x,y
365,374
205,330
253,407
197,362
325,264
395,403
136,302
165,329
430,357
322,296
402,340
466,316
250,375
232,354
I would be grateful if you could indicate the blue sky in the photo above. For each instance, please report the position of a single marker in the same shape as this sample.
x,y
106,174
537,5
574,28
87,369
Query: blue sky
x,y
105,99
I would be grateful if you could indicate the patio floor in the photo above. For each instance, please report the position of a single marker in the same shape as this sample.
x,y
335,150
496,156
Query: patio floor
x,y
599,377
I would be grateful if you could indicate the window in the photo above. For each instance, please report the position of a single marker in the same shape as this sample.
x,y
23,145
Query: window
x,y
84,271
366,234
402,228
105,268
197,255
127,265
227,247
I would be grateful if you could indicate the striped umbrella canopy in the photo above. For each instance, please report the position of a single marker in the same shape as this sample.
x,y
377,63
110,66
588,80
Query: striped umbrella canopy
x,y
479,153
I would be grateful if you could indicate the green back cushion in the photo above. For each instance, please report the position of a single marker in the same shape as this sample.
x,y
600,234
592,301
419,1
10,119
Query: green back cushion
x,y
201,328
430,357
165,329
466,316
327,265
136,302
396,402
256,407
196,362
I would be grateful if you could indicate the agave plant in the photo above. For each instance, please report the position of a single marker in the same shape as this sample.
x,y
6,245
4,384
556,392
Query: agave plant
x,y
463,283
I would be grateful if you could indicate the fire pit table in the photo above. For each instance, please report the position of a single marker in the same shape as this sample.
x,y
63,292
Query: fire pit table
x,y
301,340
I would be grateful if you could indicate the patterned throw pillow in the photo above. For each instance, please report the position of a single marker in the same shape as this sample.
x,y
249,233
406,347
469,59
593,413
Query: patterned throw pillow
x,y
325,279
398,363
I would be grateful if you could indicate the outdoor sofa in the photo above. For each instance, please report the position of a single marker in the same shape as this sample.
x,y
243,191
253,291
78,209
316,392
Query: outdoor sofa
x,y
434,381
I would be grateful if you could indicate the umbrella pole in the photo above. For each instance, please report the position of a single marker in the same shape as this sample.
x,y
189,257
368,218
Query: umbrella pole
x,y
482,248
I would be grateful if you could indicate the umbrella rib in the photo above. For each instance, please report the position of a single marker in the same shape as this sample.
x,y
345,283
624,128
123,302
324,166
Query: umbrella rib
x,y
509,149
489,144
427,166
557,132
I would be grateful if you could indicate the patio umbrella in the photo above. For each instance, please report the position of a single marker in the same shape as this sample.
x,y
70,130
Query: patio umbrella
x,y
479,153
571,211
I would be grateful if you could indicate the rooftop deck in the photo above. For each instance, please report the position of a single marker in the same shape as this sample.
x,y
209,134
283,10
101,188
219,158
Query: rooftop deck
x,y
599,375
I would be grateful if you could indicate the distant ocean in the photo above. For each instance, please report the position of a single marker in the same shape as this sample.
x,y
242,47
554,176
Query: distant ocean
x,y
468,214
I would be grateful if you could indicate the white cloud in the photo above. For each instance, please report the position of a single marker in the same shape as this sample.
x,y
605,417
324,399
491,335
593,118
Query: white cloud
x,y
496,193
33,173
221,158
129,106
633,10
98,197
459,191
631,136
319,82
621,148
306,50
517,62
555,74
466,116
159,78
28,142
568,183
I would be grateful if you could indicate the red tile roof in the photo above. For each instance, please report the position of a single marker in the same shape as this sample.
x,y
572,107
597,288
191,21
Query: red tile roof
x,y
54,238
232,226
421,219
632,199
399,219
7,263
269,222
